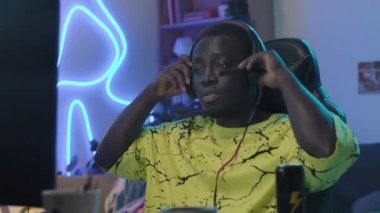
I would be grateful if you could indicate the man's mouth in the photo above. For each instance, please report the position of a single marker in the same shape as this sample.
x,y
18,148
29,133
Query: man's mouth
x,y
208,98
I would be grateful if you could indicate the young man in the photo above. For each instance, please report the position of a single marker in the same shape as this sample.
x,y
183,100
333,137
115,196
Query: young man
x,y
228,158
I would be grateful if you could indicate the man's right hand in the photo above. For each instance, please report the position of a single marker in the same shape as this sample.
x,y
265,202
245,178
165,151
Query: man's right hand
x,y
173,80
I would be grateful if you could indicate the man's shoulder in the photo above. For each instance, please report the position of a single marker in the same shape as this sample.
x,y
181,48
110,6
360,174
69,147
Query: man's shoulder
x,y
277,119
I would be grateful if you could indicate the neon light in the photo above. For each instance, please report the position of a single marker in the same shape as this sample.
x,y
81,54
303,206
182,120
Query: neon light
x,y
114,65
111,70
122,56
119,57
90,137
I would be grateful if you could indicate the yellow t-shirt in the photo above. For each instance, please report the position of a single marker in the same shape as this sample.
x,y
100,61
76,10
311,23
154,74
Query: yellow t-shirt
x,y
179,161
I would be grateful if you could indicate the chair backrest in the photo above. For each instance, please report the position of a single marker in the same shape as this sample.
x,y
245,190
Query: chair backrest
x,y
299,56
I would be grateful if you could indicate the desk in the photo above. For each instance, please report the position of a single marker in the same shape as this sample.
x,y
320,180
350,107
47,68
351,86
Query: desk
x,y
103,182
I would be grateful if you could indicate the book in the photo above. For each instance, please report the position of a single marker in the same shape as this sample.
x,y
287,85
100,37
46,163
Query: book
x,y
170,12
176,8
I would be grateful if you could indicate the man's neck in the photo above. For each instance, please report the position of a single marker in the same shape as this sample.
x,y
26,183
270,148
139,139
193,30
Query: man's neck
x,y
241,119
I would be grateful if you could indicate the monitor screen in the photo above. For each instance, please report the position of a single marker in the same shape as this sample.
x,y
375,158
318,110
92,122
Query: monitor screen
x,y
28,76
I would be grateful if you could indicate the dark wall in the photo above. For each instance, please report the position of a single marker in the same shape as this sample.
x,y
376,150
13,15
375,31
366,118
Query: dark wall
x,y
28,76
360,180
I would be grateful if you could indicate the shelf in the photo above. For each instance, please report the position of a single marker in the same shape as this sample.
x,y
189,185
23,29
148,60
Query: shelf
x,y
193,23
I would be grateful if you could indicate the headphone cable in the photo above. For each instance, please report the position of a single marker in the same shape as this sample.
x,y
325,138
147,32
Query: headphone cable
x,y
236,152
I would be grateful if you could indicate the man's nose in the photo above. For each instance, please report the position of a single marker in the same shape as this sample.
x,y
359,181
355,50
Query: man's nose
x,y
210,77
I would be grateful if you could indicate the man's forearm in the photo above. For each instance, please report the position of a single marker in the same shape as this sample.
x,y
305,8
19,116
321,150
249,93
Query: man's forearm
x,y
126,128
312,123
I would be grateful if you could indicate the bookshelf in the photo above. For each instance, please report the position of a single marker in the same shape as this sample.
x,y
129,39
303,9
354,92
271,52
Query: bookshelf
x,y
193,23
184,19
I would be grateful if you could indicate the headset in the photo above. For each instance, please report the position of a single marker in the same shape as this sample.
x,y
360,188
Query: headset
x,y
257,45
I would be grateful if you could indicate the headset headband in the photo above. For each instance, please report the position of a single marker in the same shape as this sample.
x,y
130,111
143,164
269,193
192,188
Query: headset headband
x,y
256,43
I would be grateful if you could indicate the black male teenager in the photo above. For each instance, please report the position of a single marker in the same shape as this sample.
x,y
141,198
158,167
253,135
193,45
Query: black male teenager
x,y
226,158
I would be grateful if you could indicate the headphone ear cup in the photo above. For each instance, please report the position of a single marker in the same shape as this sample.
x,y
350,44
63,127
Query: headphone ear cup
x,y
190,92
189,88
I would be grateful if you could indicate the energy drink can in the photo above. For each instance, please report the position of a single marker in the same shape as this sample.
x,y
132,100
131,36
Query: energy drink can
x,y
290,186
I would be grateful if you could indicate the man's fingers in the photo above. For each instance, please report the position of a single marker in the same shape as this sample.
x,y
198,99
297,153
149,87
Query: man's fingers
x,y
180,79
252,62
186,72
176,77
185,59
243,64
171,79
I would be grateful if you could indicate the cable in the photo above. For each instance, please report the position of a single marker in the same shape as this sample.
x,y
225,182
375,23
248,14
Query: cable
x,y
236,152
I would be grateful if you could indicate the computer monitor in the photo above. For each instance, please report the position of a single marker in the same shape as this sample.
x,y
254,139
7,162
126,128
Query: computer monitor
x,y
28,76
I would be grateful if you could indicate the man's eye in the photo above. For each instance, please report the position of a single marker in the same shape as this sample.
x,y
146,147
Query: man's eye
x,y
196,70
223,65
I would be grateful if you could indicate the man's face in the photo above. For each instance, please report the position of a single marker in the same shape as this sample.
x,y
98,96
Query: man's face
x,y
220,94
